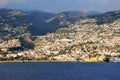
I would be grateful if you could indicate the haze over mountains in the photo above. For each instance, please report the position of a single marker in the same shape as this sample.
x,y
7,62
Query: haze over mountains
x,y
40,23
16,23
36,22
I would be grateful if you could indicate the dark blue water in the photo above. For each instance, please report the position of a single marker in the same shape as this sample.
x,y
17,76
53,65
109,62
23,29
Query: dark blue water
x,y
60,71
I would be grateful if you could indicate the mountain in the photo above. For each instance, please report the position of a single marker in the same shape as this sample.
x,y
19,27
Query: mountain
x,y
14,29
69,16
64,19
40,26
48,22
40,15
108,17
64,33
14,23
93,13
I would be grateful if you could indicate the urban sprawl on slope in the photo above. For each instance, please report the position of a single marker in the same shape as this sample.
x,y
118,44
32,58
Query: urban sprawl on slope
x,y
82,41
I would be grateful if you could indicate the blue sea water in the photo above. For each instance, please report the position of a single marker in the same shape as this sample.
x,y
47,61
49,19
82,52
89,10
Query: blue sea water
x,y
60,71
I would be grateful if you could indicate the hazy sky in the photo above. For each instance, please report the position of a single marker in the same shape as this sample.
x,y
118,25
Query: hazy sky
x,y
62,5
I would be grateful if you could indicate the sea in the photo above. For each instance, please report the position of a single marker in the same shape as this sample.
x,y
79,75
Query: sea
x,y
59,71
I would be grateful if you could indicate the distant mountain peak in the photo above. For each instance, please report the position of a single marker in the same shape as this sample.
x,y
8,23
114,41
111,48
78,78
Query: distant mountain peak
x,y
92,13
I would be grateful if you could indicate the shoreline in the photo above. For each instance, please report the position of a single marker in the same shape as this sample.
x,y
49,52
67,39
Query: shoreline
x,y
36,61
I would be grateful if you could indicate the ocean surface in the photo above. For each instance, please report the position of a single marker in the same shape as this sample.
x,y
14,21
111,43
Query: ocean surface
x,y
60,71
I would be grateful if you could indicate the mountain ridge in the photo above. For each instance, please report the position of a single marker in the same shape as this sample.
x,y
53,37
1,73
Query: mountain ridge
x,y
41,23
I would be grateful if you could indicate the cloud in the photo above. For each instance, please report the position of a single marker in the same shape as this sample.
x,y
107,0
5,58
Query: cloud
x,y
103,5
4,3
62,5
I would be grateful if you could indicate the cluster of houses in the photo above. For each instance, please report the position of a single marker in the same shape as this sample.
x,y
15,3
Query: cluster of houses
x,y
86,41
89,40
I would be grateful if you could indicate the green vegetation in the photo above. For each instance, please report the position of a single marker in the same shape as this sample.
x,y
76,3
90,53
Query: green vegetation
x,y
108,17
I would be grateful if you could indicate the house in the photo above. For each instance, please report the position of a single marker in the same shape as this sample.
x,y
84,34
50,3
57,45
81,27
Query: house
x,y
1,56
4,49
11,55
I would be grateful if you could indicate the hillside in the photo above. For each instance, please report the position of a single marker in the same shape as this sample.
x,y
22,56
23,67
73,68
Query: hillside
x,y
60,34
64,19
14,23
81,41
39,18
41,23
107,17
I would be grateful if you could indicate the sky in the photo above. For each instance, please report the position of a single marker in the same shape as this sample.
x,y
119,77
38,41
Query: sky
x,y
62,5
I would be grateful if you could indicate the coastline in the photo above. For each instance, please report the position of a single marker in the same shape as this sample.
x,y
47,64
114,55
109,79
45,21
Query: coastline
x,y
27,61
37,61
